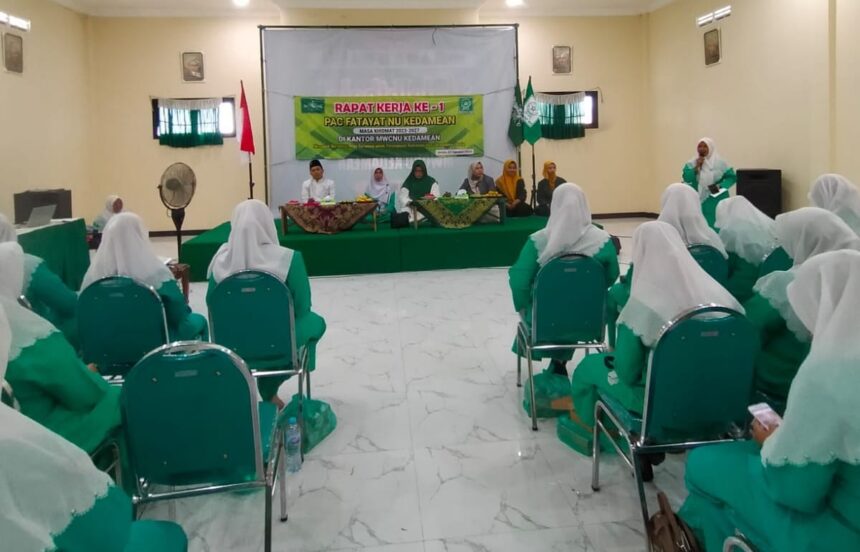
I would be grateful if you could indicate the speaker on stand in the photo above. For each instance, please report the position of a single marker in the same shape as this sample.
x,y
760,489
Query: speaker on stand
x,y
763,187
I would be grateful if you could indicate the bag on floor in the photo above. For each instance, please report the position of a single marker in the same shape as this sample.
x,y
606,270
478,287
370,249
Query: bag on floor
x,y
319,420
549,387
668,533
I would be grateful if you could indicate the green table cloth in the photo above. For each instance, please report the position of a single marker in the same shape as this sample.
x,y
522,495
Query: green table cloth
x,y
63,246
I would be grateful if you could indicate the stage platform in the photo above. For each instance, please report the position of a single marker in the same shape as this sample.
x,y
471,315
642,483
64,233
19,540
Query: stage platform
x,y
363,251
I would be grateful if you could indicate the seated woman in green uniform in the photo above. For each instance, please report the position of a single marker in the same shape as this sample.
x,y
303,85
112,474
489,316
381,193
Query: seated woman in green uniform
x,y
568,230
749,237
53,498
510,184
838,195
51,384
546,187
803,233
126,251
679,207
797,486
417,185
48,296
710,176
380,190
253,245
667,282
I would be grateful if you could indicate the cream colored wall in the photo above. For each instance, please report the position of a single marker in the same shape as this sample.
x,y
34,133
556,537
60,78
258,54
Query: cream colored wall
x,y
43,112
135,59
610,53
766,104
847,89
378,17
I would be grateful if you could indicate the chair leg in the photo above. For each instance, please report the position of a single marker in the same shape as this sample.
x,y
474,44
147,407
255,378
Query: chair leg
x,y
267,531
519,361
282,482
640,486
532,389
595,450
308,384
117,458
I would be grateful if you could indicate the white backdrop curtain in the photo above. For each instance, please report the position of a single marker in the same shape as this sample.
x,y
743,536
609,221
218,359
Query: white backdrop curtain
x,y
384,62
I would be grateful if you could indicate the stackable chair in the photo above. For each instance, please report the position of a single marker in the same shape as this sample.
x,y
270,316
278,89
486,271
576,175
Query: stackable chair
x,y
711,261
568,313
194,427
737,542
119,321
699,383
777,259
251,313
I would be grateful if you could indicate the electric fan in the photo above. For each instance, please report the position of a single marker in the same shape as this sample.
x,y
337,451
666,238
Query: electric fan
x,y
176,190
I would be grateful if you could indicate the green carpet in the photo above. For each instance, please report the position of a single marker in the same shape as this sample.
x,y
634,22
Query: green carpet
x,y
363,251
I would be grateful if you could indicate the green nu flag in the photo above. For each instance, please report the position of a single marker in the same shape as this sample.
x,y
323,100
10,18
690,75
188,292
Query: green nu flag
x,y
531,116
515,127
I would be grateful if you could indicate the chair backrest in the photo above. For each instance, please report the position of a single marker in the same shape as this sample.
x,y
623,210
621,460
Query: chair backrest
x,y
119,321
700,376
251,313
711,261
777,259
190,416
569,302
7,395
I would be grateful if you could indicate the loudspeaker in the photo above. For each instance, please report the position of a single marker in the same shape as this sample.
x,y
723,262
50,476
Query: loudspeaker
x,y
763,187
26,201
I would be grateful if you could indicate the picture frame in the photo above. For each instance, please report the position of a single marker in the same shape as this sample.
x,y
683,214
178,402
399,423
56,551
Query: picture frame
x,y
561,60
192,66
13,53
713,47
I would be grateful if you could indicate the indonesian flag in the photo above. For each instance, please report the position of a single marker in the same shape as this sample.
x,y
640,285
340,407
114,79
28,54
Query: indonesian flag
x,y
244,134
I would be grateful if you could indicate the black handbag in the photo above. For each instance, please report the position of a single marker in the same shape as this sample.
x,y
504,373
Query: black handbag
x,y
400,220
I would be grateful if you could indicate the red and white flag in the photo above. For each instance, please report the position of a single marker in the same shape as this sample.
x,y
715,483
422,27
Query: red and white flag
x,y
244,134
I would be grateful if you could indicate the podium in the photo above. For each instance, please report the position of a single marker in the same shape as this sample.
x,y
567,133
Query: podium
x,y
763,187
26,201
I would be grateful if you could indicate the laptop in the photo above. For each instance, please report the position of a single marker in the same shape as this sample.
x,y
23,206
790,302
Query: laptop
x,y
41,216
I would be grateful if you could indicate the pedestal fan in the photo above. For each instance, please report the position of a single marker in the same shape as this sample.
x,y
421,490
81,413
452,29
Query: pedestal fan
x,y
176,190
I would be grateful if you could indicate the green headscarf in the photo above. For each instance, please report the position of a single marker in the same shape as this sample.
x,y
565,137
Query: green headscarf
x,y
418,187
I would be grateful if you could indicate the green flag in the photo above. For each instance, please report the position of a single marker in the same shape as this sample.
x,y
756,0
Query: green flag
x,y
531,116
515,127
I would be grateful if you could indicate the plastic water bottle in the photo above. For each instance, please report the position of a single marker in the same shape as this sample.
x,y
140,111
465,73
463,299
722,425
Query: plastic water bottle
x,y
294,446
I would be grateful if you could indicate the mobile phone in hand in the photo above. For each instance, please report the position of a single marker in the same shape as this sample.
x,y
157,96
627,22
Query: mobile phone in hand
x,y
765,415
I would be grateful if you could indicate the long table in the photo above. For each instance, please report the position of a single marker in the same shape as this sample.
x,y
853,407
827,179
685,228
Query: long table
x,y
363,251
63,246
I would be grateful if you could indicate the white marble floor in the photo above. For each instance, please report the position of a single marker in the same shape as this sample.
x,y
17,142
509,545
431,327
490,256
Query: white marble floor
x,y
433,451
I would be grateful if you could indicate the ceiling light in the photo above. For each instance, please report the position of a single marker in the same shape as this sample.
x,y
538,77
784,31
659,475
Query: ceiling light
x,y
241,3
723,12
19,23
4,17
514,3
715,15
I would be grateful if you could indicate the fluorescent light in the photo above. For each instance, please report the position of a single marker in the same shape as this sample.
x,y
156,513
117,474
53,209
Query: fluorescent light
x,y
723,12
514,3
4,17
705,19
241,3
715,15
18,23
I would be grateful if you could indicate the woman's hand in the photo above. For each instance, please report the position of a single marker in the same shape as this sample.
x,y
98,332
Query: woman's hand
x,y
760,433
699,162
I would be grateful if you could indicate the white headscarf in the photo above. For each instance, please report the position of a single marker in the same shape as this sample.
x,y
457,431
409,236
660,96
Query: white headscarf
x,y
126,251
838,195
680,208
712,169
253,244
821,424
667,281
7,231
569,228
804,233
27,327
744,230
44,479
107,213
380,191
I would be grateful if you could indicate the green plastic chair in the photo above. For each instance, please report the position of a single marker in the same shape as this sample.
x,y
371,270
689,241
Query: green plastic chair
x,y
192,419
737,542
777,259
568,313
698,386
119,321
268,344
711,261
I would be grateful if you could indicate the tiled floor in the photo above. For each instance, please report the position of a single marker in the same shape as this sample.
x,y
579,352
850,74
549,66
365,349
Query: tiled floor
x,y
433,451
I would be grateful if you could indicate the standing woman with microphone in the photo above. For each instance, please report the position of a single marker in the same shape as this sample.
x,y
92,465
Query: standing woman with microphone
x,y
711,176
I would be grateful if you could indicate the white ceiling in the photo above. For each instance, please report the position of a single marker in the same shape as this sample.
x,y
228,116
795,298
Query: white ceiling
x,y
225,8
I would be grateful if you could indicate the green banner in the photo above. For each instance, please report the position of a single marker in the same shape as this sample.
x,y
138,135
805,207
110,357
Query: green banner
x,y
389,126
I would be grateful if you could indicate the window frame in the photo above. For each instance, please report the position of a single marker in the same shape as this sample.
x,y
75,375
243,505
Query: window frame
x,y
593,94
156,122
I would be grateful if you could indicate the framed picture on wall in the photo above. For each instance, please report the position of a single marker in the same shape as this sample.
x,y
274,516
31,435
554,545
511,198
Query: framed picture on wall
x,y
713,47
192,67
13,53
561,60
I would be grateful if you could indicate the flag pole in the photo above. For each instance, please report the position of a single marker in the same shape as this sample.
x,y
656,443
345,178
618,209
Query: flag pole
x,y
250,178
534,185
